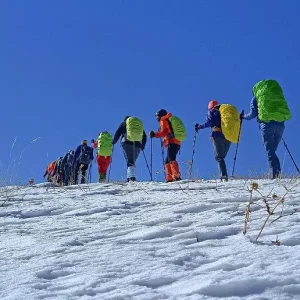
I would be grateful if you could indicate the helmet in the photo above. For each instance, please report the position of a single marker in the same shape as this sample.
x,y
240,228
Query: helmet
x,y
212,104
161,113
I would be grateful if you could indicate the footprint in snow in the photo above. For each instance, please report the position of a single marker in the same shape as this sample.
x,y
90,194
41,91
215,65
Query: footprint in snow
x,y
52,274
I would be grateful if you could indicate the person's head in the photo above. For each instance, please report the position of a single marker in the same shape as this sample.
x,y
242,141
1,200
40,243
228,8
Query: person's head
x,y
212,104
84,142
161,113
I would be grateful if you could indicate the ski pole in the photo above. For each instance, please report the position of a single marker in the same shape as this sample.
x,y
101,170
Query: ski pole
x,y
108,177
237,145
147,165
163,157
285,145
90,173
193,153
151,159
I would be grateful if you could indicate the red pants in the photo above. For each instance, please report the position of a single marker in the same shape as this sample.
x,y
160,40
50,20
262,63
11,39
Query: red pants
x,y
103,163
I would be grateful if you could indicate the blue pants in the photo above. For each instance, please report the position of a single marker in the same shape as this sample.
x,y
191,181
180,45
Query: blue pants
x,y
221,147
272,134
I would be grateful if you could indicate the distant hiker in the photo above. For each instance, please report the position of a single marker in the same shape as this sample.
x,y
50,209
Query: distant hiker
x,y
57,174
49,171
31,181
173,133
224,121
271,110
133,140
68,168
82,158
105,149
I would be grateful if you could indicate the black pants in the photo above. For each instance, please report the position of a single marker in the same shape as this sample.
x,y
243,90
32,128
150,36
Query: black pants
x,y
82,168
172,151
131,153
221,147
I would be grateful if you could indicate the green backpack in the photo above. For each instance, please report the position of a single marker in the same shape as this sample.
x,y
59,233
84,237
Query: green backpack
x,y
178,128
134,129
271,103
105,145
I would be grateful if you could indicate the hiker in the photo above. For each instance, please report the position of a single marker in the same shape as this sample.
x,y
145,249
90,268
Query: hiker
x,y
133,140
83,156
270,108
105,149
57,174
173,133
221,144
68,168
49,171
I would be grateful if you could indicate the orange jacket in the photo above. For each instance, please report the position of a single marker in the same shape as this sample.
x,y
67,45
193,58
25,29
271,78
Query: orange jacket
x,y
50,168
165,131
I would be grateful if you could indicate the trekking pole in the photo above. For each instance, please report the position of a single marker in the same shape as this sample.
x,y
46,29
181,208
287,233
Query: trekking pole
x,y
151,159
108,177
90,173
285,145
163,157
193,153
237,146
147,165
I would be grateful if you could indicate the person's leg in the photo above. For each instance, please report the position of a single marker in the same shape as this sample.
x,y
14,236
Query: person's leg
x,y
129,156
168,168
221,147
76,173
174,149
83,169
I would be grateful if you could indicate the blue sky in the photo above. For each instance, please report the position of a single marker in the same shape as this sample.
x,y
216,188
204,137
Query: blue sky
x,y
70,69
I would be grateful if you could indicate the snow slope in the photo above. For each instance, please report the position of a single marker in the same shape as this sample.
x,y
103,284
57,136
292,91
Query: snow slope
x,y
148,241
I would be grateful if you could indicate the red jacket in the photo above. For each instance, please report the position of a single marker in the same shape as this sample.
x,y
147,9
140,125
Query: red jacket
x,y
165,131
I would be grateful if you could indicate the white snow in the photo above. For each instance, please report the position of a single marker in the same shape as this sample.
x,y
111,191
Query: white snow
x,y
149,240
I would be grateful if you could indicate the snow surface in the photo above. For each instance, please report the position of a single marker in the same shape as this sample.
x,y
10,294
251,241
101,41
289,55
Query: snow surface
x,y
149,241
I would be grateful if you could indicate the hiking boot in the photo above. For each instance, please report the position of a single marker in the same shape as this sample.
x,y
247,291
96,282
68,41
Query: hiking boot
x,y
177,179
224,179
132,179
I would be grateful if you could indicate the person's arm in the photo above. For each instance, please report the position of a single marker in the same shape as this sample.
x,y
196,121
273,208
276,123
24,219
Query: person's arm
x,y
208,122
253,110
164,130
121,130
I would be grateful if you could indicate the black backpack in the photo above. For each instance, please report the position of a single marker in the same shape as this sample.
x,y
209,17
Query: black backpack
x,y
85,155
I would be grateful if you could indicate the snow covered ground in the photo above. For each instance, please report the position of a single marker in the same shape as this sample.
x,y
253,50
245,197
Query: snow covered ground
x,y
148,241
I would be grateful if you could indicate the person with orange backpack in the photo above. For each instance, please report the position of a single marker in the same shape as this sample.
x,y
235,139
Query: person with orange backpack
x,y
49,171
224,120
173,133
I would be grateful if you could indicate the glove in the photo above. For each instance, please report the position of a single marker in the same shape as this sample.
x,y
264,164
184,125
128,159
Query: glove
x,y
197,127
152,134
242,115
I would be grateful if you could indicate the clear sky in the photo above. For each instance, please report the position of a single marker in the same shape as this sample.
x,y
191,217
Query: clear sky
x,y
70,69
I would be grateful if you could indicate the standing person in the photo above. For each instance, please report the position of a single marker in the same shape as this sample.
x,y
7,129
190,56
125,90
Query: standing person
x,y
133,140
68,168
49,171
105,149
271,110
221,144
82,157
57,174
173,133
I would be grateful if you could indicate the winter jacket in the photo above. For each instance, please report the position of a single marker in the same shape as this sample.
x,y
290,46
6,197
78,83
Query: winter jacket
x,y
213,120
122,132
165,131
67,162
78,151
50,168
254,114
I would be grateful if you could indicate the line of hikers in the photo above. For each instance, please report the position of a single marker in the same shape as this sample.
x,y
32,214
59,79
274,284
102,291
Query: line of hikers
x,y
268,105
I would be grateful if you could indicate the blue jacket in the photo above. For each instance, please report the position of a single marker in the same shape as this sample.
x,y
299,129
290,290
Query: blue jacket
x,y
254,114
213,119
78,151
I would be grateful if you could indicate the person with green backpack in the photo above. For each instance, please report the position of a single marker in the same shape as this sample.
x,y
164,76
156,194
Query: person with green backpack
x,y
133,141
270,108
105,148
173,133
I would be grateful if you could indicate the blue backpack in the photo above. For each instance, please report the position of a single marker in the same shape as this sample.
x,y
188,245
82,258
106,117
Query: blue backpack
x,y
85,155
